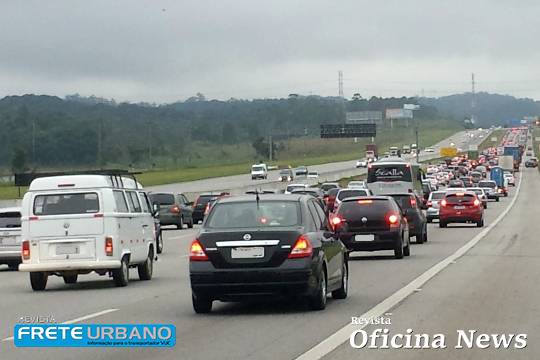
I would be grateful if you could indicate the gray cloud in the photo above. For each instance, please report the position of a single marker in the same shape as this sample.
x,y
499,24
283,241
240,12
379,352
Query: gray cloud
x,y
167,50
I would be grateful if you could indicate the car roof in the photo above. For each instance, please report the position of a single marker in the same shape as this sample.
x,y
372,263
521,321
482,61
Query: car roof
x,y
458,192
379,197
251,197
77,182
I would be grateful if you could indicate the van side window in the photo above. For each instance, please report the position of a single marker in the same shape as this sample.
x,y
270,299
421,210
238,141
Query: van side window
x,y
134,203
144,202
120,201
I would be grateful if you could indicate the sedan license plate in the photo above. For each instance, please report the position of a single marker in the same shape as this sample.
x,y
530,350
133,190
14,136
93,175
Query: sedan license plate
x,y
247,253
459,207
369,237
8,241
67,250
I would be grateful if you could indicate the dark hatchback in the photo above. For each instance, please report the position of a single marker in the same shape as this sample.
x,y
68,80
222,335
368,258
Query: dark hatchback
x,y
373,223
412,209
278,246
200,205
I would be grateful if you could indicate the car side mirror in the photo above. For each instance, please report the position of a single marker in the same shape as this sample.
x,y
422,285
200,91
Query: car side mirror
x,y
155,209
190,203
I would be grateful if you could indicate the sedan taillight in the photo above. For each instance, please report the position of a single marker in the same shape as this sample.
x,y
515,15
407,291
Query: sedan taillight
x,y
196,252
302,248
26,250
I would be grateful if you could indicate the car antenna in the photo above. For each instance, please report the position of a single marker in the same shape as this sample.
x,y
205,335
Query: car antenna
x,y
257,198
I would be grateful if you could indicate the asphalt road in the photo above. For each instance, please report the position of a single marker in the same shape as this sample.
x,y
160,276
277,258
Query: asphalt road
x,y
493,288
327,172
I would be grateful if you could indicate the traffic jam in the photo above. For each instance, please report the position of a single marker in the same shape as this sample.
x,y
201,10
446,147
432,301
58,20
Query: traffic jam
x,y
265,244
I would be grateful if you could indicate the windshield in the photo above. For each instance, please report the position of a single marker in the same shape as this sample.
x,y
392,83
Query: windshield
x,y
257,168
487,184
291,188
251,215
162,199
63,204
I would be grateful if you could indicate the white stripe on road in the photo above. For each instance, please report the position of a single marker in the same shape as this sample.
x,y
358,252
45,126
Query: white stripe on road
x,y
342,335
82,318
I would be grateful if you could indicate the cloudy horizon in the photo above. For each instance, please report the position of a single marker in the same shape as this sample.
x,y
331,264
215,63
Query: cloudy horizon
x,y
165,51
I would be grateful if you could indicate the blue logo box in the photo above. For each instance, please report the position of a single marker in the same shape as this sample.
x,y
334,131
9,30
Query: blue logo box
x,y
94,335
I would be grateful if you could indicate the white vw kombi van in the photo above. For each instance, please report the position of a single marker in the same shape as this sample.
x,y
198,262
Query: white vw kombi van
x,y
76,224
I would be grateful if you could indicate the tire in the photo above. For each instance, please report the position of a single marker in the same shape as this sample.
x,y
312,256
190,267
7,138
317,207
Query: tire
x,y
201,305
425,235
442,224
159,243
480,223
429,220
419,238
485,206
342,292
121,275
190,224
38,280
70,279
497,199
146,269
407,249
13,266
180,225
398,249
318,300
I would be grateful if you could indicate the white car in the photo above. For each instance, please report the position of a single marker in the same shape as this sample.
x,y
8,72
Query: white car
x,y
351,192
361,163
259,171
76,224
433,181
290,188
510,178
10,237
313,175
360,184
429,150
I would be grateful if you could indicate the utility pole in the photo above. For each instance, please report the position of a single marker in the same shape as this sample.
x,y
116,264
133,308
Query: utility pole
x,y
100,143
340,84
150,142
473,99
270,150
417,144
33,140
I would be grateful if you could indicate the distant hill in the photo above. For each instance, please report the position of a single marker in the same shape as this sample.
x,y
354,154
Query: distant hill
x,y
491,109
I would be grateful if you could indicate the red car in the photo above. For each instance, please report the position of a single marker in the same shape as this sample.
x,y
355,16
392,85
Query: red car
x,y
461,207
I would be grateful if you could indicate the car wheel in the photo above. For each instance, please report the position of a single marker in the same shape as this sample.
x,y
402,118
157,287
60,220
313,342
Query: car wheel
x,y
429,220
407,248
318,300
480,223
425,234
342,292
442,224
398,249
70,279
180,225
159,243
190,224
497,199
485,205
419,238
38,280
121,275
201,305
14,266
146,269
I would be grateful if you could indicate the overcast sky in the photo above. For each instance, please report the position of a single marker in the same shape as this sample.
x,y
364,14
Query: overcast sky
x,y
163,51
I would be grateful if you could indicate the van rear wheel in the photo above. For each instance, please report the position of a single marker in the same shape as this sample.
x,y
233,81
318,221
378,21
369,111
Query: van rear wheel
x,y
70,279
121,275
38,280
146,268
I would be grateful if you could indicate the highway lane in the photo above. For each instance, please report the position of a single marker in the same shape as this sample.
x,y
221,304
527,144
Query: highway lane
x,y
327,172
493,289
233,331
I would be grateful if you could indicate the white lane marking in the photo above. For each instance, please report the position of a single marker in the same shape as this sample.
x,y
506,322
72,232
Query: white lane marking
x,y
180,236
342,335
82,318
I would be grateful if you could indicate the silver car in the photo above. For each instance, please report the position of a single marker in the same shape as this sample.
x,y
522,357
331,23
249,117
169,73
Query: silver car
x,y
432,211
10,237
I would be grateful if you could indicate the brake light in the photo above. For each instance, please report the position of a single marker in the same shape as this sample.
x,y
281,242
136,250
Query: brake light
x,y
302,248
65,185
443,202
413,202
109,246
175,209
363,202
26,250
336,221
393,219
460,194
429,203
476,202
499,190
196,252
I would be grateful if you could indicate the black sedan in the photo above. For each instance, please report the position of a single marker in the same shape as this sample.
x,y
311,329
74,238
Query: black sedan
x,y
267,246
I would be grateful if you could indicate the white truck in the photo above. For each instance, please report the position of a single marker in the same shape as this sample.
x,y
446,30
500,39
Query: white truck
x,y
77,224
259,171
506,162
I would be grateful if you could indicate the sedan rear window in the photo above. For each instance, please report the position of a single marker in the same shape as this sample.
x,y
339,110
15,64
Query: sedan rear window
x,y
64,204
162,199
251,215
437,195
353,210
351,193
204,199
487,184
10,220
292,188
456,199
403,200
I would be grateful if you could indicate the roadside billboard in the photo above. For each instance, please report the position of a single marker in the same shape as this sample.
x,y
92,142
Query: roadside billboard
x,y
399,114
448,152
362,117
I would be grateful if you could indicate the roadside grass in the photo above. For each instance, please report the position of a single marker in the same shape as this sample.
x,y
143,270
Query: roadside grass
x,y
238,158
536,144
487,141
